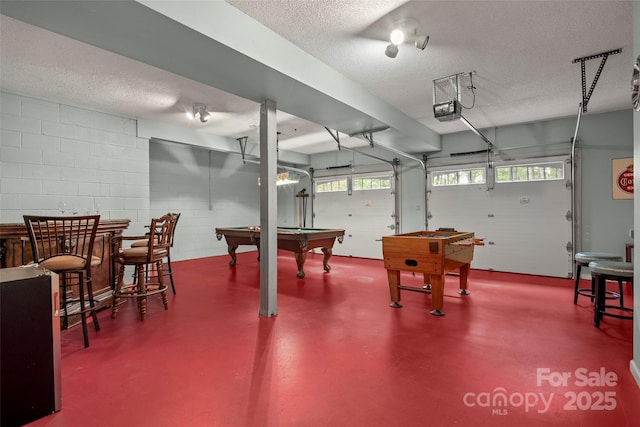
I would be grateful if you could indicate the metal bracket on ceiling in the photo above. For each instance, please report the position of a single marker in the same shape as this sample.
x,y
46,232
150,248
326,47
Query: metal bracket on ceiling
x,y
368,134
336,137
243,146
604,55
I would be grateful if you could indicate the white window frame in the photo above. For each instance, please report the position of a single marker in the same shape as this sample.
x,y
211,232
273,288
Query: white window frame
x,y
332,180
559,165
435,175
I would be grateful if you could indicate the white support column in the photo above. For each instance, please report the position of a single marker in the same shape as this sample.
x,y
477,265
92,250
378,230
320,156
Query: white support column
x,y
268,210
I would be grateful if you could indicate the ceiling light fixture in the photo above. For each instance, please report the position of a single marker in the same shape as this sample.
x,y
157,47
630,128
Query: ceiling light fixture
x,y
199,110
398,37
391,51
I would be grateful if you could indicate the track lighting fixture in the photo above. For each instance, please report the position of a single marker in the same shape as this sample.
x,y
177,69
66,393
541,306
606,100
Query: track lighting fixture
x,y
199,110
396,37
399,36
391,51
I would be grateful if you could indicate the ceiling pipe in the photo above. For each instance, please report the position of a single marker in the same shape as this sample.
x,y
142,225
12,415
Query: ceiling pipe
x,y
393,163
575,245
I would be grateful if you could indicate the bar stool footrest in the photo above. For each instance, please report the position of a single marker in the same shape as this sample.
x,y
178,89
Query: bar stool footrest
x,y
618,316
588,293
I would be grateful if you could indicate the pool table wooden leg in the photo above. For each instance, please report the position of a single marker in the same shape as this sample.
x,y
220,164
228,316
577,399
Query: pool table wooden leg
x,y
394,281
232,252
300,259
325,261
437,294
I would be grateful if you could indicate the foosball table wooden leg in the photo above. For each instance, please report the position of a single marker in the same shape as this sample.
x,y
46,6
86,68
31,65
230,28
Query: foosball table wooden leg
x,y
394,282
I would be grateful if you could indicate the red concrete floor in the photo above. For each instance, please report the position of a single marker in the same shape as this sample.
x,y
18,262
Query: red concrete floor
x,y
338,355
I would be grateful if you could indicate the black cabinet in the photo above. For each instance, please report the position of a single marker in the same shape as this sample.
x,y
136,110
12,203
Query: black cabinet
x,y
29,345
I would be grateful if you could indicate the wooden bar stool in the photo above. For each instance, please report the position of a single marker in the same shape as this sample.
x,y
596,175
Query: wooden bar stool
x,y
153,253
144,243
583,259
601,271
64,245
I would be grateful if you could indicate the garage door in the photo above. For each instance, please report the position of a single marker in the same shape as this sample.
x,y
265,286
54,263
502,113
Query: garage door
x,y
524,218
363,205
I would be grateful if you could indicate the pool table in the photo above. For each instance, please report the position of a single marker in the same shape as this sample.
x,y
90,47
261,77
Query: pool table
x,y
297,240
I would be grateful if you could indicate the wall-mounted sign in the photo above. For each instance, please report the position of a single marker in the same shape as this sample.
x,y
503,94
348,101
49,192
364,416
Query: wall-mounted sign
x,y
622,174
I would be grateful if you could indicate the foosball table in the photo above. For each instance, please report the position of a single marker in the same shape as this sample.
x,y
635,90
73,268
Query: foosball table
x,y
432,253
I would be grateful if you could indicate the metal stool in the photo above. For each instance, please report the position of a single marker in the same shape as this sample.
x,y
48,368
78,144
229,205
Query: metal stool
x,y
583,259
601,271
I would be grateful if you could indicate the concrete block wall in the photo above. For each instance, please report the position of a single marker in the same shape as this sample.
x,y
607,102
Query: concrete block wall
x,y
55,156
209,189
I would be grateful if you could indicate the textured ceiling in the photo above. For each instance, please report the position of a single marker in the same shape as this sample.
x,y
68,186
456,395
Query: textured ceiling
x,y
521,53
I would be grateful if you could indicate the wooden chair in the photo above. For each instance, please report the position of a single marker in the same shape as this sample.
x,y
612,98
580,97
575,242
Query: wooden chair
x,y
172,235
141,257
64,245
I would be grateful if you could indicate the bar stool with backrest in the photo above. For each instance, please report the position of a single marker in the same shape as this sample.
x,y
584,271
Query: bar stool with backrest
x,y
64,245
583,259
141,243
601,271
141,257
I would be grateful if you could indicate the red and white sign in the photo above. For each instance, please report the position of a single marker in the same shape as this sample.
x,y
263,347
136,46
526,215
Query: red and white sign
x,y
622,171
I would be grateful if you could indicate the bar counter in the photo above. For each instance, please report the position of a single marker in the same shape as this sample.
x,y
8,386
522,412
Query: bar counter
x,y
15,250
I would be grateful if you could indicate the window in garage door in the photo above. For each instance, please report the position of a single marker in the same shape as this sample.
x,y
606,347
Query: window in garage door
x,y
361,204
523,218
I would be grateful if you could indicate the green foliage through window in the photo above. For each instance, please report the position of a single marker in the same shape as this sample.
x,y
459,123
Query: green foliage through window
x,y
533,172
331,186
459,177
376,183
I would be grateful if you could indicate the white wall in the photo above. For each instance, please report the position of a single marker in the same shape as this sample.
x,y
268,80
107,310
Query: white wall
x,y
605,222
52,153
210,189
288,204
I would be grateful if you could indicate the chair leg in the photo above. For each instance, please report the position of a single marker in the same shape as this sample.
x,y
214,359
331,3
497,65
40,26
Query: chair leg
x,y
83,314
600,285
173,288
63,303
142,290
621,291
160,271
575,293
119,284
94,315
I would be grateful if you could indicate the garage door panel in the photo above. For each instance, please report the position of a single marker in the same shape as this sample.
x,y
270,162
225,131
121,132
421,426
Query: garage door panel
x,y
524,224
365,215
